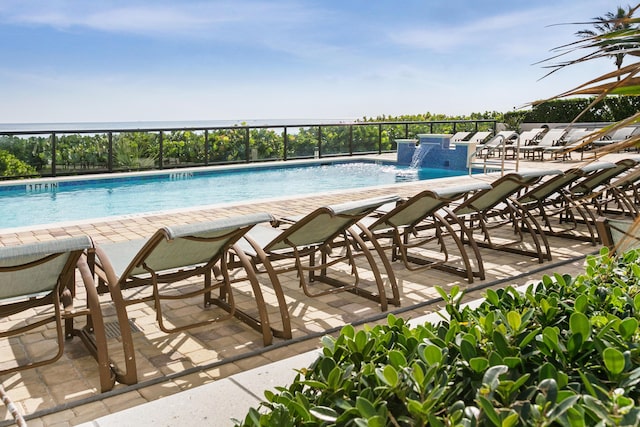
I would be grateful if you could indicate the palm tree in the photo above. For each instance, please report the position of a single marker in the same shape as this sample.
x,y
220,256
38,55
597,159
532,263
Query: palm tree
x,y
624,81
610,23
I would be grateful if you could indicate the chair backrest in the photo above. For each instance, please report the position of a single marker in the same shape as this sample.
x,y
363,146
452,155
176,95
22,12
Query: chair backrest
x,y
191,244
552,137
479,137
499,139
593,181
423,204
561,182
619,235
529,136
623,133
500,189
325,223
458,136
36,268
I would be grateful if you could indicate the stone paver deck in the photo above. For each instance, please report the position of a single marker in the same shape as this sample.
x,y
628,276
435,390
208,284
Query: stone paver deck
x,y
66,393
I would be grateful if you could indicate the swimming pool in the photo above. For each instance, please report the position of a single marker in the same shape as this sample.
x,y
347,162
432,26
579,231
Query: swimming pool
x,y
32,202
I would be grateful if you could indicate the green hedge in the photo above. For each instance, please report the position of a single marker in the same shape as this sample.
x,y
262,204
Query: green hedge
x,y
611,109
564,352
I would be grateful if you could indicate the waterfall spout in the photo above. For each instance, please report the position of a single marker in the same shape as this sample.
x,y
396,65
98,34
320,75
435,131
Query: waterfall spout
x,y
419,155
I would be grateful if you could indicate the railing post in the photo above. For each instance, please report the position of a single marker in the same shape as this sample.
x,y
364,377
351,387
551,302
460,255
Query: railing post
x,y
319,141
160,151
406,131
53,154
206,147
379,138
351,140
285,143
110,152
247,148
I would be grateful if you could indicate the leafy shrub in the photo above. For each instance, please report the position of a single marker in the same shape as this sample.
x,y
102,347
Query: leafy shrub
x,y
563,352
10,165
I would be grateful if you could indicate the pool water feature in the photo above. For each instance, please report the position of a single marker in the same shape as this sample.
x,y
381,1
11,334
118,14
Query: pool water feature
x,y
34,202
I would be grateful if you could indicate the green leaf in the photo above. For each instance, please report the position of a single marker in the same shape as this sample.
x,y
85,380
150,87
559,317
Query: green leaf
x,y
514,320
581,304
550,338
365,407
348,330
493,297
547,371
335,378
512,362
489,411
479,364
376,421
388,375
361,340
579,324
628,327
397,359
467,349
613,360
500,342
561,408
511,420
324,413
432,354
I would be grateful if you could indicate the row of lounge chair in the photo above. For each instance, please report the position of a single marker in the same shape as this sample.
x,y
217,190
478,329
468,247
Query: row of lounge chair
x,y
327,248
535,143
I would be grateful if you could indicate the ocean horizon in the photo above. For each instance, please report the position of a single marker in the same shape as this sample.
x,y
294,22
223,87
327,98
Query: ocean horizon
x,y
160,124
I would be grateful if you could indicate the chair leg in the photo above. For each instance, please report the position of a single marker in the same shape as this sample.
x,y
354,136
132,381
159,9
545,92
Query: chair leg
x,y
395,300
99,345
277,288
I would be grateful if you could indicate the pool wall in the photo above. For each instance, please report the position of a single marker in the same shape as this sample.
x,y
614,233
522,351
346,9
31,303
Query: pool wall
x,y
435,152
43,185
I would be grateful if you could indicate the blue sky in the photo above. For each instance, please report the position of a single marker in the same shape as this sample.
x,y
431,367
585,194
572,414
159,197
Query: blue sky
x,y
136,60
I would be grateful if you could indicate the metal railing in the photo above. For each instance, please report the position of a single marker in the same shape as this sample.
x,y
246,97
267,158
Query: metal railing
x,y
68,151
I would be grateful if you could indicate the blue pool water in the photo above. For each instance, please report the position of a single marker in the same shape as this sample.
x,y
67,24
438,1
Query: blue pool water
x,y
32,204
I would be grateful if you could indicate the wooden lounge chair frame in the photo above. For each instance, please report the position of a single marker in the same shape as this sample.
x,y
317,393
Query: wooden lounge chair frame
x,y
619,235
625,194
497,143
308,246
552,199
172,255
493,208
43,274
592,189
550,138
414,222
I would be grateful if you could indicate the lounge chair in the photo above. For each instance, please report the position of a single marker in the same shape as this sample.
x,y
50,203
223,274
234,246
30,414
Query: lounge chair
x,y
619,235
618,135
493,208
414,223
549,139
496,144
578,140
43,275
312,245
530,137
551,200
592,189
457,138
625,194
172,255
479,137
